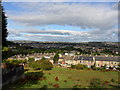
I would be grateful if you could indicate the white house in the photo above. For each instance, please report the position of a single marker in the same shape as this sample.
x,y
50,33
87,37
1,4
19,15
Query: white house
x,y
47,57
37,58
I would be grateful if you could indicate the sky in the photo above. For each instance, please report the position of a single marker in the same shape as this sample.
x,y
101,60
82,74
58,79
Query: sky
x,y
62,22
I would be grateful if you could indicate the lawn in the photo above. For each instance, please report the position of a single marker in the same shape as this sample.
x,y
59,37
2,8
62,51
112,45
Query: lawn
x,y
69,78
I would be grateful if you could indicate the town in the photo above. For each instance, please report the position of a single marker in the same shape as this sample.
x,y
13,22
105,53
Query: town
x,y
75,55
59,44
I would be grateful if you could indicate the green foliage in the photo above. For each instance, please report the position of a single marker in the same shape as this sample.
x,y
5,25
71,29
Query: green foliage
x,y
4,26
95,83
94,67
14,61
41,64
46,65
5,49
30,59
43,58
79,66
74,78
112,80
30,78
102,68
107,51
34,64
56,58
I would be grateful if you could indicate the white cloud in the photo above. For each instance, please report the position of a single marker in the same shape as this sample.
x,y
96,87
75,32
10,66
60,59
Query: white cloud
x,y
81,15
60,0
65,35
100,17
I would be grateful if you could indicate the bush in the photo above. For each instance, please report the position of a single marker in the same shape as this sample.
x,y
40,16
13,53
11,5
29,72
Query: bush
x,y
56,58
102,69
33,75
30,59
112,80
41,64
34,65
95,83
79,66
94,67
46,65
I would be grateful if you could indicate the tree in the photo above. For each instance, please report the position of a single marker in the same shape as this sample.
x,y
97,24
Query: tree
x,y
79,66
4,26
94,67
3,23
56,58
30,60
43,58
46,65
41,64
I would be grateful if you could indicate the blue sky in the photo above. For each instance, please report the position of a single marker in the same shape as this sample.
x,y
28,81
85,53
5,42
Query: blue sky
x,y
63,22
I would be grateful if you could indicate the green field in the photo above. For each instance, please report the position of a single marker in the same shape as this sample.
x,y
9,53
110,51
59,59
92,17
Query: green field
x,y
70,78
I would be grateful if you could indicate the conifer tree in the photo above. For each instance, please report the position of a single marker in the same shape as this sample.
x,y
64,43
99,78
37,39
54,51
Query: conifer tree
x,y
3,22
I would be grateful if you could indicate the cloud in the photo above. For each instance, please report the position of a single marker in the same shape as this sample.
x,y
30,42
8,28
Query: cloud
x,y
65,35
75,14
101,19
60,0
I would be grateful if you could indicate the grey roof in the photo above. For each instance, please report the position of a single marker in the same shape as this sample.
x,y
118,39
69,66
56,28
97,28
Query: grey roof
x,y
89,58
107,59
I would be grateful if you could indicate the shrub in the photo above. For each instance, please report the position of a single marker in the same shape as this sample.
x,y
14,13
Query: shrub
x,y
30,59
43,58
34,65
106,82
41,64
56,85
56,79
46,65
94,67
112,80
65,80
79,66
31,76
56,58
95,83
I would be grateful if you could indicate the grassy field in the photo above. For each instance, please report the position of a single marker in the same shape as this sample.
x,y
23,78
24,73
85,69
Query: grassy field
x,y
70,78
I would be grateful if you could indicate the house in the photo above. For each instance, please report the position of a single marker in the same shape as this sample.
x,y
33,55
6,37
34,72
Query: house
x,y
47,57
52,61
66,53
106,61
37,58
60,60
86,60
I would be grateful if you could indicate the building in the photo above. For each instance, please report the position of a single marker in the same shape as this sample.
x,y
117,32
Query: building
x,y
86,60
107,61
37,58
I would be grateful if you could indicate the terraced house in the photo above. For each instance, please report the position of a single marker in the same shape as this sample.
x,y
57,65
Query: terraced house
x,y
86,60
98,61
107,61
